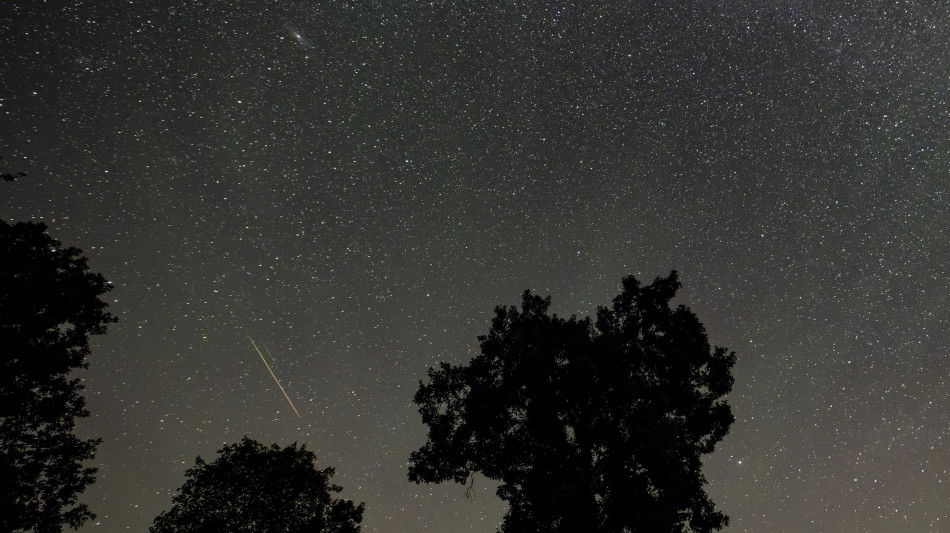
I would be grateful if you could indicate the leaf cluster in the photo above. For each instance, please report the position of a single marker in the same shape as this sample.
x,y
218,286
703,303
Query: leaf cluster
x,y
8,176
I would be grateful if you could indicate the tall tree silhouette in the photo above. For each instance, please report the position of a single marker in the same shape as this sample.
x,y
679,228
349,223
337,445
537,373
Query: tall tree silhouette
x,y
595,427
49,305
255,489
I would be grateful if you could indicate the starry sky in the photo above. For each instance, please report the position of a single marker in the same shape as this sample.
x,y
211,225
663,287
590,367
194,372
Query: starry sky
x,y
357,184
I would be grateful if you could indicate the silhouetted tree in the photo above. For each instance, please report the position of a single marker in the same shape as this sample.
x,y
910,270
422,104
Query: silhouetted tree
x,y
588,427
252,488
49,305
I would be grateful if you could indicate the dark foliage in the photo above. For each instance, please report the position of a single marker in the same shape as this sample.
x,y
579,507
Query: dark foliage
x,y
252,488
588,427
49,305
6,176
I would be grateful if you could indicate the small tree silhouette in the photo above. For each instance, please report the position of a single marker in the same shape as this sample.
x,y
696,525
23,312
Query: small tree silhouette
x,y
253,488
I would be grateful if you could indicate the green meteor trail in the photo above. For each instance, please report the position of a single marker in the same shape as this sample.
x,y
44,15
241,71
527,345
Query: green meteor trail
x,y
258,350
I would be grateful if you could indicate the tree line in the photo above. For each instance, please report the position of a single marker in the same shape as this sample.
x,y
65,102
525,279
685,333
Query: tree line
x,y
594,425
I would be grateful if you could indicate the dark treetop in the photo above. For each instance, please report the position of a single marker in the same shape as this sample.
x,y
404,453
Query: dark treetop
x,y
255,489
49,305
588,427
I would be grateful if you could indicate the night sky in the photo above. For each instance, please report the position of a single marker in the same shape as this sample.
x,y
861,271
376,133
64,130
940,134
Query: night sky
x,y
357,184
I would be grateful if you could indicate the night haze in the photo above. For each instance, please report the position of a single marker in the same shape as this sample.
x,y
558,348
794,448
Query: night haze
x,y
356,185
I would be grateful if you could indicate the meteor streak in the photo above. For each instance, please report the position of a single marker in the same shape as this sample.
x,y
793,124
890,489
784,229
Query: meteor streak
x,y
258,350
269,355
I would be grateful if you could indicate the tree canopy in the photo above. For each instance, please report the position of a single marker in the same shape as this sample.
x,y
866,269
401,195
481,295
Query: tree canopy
x,y
49,305
255,489
588,426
